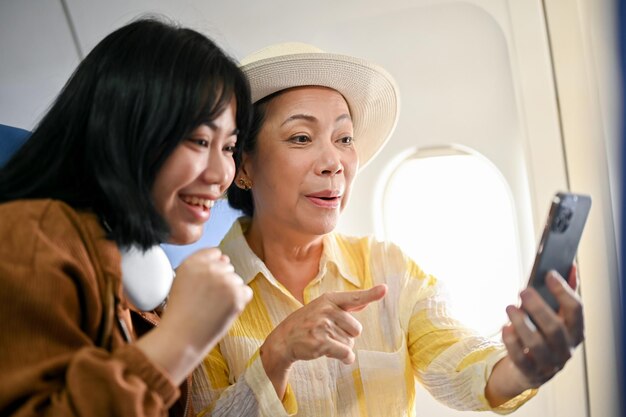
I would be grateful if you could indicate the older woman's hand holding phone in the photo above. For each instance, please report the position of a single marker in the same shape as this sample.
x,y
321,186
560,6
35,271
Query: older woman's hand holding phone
x,y
541,349
537,351
549,324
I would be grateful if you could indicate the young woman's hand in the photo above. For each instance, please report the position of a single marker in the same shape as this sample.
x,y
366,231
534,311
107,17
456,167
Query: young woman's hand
x,y
206,296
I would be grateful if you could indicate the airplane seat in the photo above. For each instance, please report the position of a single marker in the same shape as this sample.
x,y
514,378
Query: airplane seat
x,y
11,138
222,216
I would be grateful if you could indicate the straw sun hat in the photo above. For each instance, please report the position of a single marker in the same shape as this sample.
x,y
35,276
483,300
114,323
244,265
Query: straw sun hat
x,y
371,93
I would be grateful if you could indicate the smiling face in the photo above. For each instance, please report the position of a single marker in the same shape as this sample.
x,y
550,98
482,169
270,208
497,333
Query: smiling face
x,y
195,175
304,162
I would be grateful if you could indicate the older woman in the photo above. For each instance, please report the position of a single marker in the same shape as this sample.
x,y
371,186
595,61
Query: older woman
x,y
342,326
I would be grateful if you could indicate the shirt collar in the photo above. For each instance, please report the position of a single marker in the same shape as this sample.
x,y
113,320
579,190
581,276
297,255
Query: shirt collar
x,y
337,251
248,265
245,261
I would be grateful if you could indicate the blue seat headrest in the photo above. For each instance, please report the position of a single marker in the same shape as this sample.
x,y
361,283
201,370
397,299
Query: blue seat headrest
x,y
11,138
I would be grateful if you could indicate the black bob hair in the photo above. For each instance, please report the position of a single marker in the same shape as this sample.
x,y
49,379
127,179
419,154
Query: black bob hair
x,y
140,92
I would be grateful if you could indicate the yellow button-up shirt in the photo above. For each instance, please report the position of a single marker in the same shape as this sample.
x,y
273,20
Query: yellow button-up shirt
x,y
407,336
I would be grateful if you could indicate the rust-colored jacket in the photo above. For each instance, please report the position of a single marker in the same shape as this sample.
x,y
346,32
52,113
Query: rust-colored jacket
x,y
62,350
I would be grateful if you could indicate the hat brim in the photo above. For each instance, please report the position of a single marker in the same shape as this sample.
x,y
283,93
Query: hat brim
x,y
369,90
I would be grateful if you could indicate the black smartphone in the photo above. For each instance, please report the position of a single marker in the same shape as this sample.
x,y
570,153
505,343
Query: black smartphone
x,y
559,241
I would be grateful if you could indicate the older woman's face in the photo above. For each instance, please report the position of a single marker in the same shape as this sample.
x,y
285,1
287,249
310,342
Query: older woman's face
x,y
305,160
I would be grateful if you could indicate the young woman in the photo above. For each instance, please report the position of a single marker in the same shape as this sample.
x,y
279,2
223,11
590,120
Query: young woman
x,y
134,152
338,325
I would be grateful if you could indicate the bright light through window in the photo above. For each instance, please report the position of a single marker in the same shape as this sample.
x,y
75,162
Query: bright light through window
x,y
454,215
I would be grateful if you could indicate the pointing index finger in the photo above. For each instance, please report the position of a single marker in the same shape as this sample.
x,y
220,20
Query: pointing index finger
x,y
358,300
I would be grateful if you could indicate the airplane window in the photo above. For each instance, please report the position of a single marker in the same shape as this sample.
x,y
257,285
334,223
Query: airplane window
x,y
452,211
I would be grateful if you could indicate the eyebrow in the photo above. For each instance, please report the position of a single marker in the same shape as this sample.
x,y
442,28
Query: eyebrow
x,y
213,127
310,118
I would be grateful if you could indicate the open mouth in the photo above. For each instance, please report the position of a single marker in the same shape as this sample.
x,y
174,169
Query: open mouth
x,y
325,201
203,203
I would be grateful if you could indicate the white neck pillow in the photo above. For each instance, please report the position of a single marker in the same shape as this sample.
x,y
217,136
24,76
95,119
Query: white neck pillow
x,y
146,276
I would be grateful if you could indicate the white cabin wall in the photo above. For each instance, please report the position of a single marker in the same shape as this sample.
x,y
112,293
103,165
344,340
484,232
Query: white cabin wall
x,y
37,57
585,62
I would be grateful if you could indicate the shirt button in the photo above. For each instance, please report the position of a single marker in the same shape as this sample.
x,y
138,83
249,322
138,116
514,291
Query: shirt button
x,y
319,374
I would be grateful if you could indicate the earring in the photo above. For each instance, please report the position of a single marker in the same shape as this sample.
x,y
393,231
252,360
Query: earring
x,y
244,183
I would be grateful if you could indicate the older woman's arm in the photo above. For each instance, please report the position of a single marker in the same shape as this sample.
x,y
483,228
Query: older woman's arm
x,y
451,361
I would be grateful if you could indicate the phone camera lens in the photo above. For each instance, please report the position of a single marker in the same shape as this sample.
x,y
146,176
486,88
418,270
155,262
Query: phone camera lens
x,y
562,220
